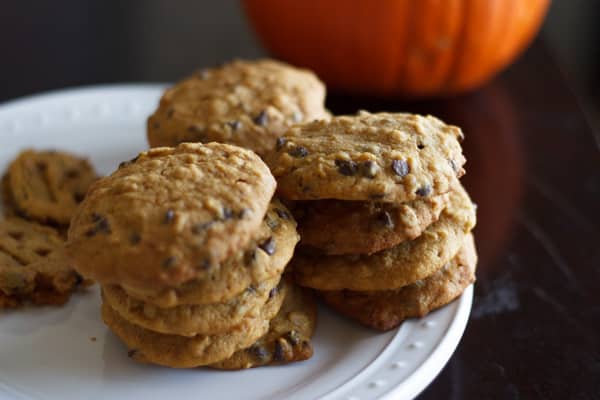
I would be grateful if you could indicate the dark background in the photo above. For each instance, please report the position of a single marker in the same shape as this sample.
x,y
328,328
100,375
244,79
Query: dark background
x,y
52,44
533,169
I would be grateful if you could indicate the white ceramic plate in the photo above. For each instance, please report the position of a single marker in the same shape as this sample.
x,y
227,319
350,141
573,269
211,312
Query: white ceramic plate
x,y
67,353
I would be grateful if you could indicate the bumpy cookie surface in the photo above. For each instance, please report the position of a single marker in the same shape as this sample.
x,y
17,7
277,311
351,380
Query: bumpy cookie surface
x,y
387,309
189,352
288,339
264,258
169,215
47,186
356,227
191,319
384,157
399,266
32,265
246,103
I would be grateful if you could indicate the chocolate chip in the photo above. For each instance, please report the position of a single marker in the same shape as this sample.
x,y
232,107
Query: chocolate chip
x,y
243,212
282,213
268,246
205,264
453,165
42,252
169,261
71,173
424,190
298,152
347,168
169,216
420,146
261,119
368,169
400,168
260,353
278,353
199,228
281,141
96,217
234,125
134,238
227,213
251,289
103,226
273,292
131,353
78,197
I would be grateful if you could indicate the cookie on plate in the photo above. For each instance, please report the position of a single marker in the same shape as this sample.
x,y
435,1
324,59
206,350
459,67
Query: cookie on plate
x,y
33,267
191,319
387,309
170,215
288,339
245,103
398,266
47,186
357,227
368,157
265,257
188,352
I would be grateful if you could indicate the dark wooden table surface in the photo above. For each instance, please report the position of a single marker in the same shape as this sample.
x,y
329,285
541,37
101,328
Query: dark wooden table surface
x,y
534,171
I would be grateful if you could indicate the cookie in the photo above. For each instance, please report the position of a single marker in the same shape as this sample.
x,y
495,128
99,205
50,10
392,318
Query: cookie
x,y
387,309
265,258
191,320
368,157
189,352
33,266
47,186
245,103
288,339
170,215
356,227
399,266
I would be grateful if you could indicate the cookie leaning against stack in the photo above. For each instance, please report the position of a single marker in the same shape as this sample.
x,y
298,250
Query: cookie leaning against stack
x,y
384,222
40,192
189,248
245,103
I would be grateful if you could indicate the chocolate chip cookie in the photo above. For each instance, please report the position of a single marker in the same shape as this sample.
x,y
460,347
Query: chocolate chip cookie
x,y
368,157
188,352
356,227
265,257
398,266
387,309
170,215
32,265
47,186
288,339
245,103
192,319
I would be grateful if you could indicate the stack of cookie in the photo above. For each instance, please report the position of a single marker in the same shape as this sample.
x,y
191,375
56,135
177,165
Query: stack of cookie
x,y
40,192
189,248
384,222
244,103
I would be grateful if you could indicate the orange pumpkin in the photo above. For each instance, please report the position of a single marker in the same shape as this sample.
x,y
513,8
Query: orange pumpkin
x,y
414,48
